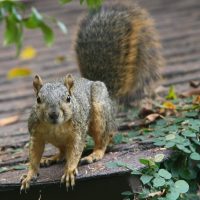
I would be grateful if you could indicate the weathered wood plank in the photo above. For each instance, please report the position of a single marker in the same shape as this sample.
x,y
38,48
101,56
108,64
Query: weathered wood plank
x,y
178,24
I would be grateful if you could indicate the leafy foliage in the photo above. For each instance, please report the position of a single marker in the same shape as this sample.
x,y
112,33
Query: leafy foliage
x,y
182,135
177,129
90,3
13,15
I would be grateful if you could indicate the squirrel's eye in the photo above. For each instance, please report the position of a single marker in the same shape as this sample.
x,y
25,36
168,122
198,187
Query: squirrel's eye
x,y
68,99
39,100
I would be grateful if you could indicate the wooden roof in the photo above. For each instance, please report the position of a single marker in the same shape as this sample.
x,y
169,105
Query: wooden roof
x,y
178,23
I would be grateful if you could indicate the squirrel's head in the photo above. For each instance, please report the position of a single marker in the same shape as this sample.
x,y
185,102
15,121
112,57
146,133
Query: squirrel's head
x,y
54,100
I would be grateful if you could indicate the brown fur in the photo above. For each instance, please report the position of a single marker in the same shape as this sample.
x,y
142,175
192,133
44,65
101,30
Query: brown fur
x,y
68,131
98,132
119,46
130,60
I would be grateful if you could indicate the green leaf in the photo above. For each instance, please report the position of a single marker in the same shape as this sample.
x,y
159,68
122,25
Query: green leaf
x,y
19,36
172,128
189,133
170,136
94,3
47,33
181,186
191,114
195,124
170,144
64,1
144,194
147,162
172,195
195,156
34,20
144,161
91,3
16,14
159,158
7,5
164,173
4,169
178,120
145,179
160,143
192,147
118,138
2,14
20,167
171,93
36,14
81,2
197,142
121,164
161,122
112,165
126,165
11,31
182,148
127,193
62,27
180,140
158,182
31,22
135,172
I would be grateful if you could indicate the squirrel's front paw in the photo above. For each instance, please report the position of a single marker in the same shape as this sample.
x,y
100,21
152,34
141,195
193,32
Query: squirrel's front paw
x,y
45,162
25,181
69,177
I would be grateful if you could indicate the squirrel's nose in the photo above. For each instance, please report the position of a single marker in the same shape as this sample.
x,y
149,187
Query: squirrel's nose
x,y
53,115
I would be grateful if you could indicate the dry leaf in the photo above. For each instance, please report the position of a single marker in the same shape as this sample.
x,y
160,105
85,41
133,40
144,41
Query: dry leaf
x,y
146,108
130,125
60,59
195,84
152,117
18,72
169,105
197,100
189,93
8,120
28,53
168,109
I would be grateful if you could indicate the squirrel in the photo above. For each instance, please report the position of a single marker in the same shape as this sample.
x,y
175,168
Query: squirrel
x,y
119,55
65,111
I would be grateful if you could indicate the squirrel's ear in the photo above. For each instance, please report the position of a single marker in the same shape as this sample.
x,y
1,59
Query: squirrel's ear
x,y
37,83
69,83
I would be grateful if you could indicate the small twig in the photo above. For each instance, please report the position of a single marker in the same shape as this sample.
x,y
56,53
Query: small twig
x,y
158,193
130,125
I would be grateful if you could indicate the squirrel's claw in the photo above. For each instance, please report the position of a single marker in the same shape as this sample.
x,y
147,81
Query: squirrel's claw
x,y
86,160
93,157
46,162
25,182
69,178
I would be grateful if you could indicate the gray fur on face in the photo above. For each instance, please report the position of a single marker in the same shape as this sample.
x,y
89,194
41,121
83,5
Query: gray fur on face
x,y
53,93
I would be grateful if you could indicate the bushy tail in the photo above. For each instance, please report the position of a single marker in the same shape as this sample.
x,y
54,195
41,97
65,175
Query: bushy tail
x,y
119,46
